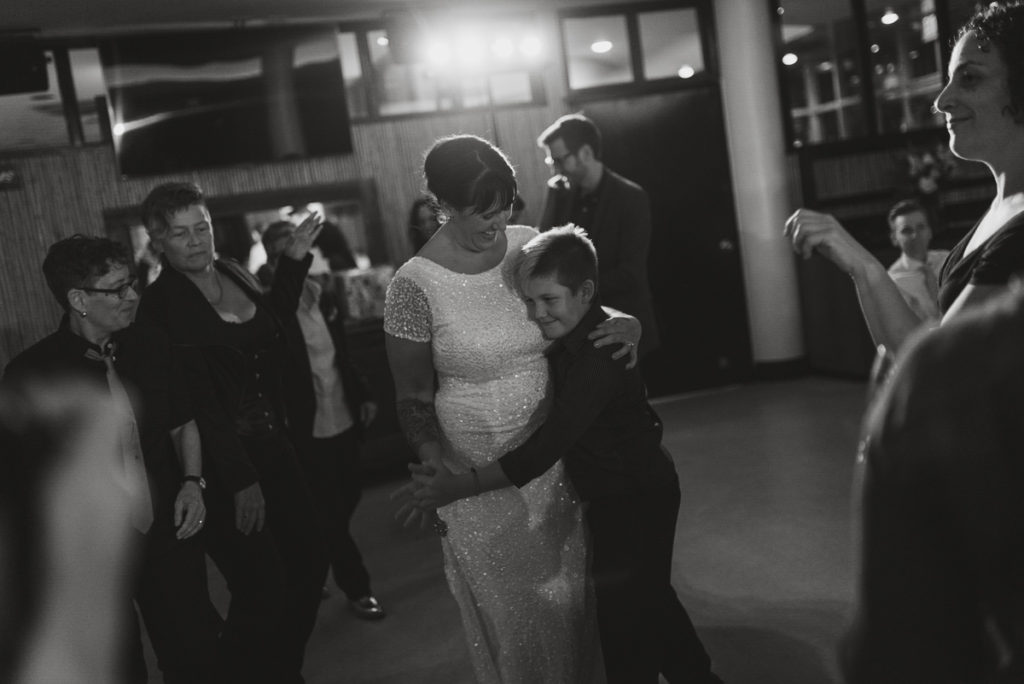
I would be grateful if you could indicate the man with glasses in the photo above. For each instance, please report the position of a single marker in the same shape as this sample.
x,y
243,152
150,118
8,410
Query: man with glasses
x,y
615,212
916,272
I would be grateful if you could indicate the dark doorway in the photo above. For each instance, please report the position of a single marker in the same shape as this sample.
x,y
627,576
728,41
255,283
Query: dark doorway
x,y
673,144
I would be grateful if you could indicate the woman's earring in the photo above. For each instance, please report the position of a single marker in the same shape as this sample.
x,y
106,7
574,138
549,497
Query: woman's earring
x,y
82,312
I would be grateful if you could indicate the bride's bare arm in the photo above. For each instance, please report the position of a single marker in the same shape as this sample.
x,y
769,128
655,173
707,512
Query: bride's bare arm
x,y
412,366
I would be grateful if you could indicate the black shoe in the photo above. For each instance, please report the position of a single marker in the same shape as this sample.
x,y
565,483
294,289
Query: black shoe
x,y
367,608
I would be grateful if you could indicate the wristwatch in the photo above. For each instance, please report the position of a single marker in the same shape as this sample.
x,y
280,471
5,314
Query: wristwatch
x,y
198,479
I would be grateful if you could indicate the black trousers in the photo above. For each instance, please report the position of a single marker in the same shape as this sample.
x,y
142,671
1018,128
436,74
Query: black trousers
x,y
170,588
332,467
274,576
644,628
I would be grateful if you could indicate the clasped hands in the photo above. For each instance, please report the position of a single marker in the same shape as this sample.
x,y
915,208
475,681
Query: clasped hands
x,y
433,485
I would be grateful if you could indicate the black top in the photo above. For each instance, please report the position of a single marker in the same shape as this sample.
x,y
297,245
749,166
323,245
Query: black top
x,y
993,263
219,372
143,361
255,339
942,560
600,424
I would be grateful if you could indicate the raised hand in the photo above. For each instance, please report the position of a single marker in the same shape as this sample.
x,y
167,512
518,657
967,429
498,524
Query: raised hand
x,y
812,231
302,237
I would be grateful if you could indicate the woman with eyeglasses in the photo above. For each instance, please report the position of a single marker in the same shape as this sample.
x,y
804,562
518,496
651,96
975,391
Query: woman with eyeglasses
x,y
159,461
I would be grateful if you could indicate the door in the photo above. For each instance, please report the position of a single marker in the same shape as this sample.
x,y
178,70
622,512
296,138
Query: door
x,y
673,144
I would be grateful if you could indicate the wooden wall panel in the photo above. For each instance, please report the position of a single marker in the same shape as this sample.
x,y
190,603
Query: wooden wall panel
x,y
66,191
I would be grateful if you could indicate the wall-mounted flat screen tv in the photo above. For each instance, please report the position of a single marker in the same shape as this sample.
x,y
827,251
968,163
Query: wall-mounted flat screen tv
x,y
186,101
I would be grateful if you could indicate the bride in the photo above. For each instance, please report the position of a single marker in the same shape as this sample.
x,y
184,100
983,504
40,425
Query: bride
x,y
515,559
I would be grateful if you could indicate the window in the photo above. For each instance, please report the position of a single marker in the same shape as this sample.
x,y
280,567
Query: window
x,y
906,63
821,71
637,45
598,51
858,68
670,44
430,64
32,120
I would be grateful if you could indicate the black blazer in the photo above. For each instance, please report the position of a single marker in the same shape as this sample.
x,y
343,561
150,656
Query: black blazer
x,y
621,232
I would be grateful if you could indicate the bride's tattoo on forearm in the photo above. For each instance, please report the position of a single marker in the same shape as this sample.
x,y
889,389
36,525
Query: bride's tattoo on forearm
x,y
419,421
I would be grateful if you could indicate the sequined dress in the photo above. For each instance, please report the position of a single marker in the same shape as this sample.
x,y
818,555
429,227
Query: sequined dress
x,y
515,559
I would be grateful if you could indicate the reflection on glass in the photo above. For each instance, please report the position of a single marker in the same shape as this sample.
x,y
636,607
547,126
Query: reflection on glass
x,y
34,120
670,44
906,63
597,49
352,72
403,88
87,75
821,70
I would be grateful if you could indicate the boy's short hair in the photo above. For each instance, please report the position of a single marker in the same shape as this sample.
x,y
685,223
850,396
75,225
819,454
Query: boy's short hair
x,y
164,201
907,206
564,252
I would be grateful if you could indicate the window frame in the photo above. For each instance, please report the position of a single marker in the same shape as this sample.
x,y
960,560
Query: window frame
x,y
641,85
873,138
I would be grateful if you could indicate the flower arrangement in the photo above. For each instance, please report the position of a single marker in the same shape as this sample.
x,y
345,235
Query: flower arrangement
x,y
930,167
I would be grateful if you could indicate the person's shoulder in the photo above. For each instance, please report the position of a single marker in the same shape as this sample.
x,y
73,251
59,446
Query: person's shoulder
x,y
518,236
625,184
987,337
37,359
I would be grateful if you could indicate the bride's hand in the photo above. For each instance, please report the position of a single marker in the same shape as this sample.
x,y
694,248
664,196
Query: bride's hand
x,y
437,486
619,329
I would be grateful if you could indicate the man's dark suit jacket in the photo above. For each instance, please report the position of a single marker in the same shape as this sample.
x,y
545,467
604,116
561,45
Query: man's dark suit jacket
x,y
622,235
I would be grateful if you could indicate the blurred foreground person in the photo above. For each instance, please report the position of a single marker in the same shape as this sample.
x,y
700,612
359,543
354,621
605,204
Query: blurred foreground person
x,y
96,342
65,534
941,595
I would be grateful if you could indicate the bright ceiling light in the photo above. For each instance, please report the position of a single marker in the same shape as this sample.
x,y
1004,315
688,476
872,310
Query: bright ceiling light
x,y
601,46
503,48
530,47
686,71
890,17
470,51
438,54
875,47
382,41
789,59
119,129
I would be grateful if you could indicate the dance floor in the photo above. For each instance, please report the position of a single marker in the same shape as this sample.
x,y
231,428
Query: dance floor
x,y
763,558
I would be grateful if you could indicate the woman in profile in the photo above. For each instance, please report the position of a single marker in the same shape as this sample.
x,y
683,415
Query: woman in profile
x,y
515,559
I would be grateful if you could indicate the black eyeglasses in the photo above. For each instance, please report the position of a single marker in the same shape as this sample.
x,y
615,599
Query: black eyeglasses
x,y
559,162
121,292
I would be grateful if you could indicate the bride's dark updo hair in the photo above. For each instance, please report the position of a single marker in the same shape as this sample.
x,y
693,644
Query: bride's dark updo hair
x,y
465,171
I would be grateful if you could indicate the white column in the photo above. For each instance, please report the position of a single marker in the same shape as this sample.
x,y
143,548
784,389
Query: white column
x,y
753,122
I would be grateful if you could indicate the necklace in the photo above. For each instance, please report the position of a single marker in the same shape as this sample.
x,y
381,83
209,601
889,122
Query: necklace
x,y
220,290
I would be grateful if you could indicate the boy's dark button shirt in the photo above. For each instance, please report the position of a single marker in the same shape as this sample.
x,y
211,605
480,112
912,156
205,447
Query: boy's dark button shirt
x,y
601,423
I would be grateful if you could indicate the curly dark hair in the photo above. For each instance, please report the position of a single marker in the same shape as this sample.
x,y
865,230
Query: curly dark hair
x,y
1002,25
164,201
79,261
